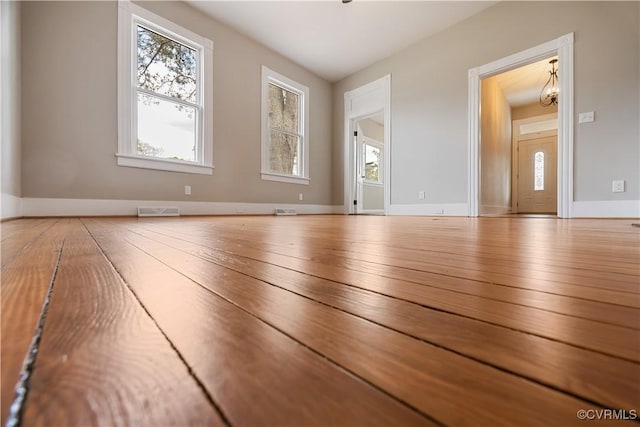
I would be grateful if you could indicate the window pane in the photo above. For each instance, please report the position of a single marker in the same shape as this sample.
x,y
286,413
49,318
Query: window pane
x,y
283,109
538,182
284,154
166,66
371,163
166,129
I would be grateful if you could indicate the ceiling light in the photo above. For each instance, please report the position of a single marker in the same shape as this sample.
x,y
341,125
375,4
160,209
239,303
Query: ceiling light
x,y
550,91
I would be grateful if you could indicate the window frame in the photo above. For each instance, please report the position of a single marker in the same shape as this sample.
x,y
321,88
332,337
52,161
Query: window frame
x,y
272,77
380,146
129,16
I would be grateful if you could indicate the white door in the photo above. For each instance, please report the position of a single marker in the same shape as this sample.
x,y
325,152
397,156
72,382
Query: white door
x,y
369,152
537,175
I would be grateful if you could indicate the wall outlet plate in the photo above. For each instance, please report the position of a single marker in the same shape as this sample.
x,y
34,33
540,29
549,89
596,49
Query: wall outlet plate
x,y
421,195
617,186
187,190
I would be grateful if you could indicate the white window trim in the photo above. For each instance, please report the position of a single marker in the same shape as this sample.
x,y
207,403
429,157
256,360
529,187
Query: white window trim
x,y
128,14
270,76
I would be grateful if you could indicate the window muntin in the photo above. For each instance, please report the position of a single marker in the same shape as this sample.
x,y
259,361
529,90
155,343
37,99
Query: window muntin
x,y
284,140
165,94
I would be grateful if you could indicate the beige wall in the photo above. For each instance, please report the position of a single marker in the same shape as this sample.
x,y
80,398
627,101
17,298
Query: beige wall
x,y
532,110
372,129
495,149
10,108
429,93
69,102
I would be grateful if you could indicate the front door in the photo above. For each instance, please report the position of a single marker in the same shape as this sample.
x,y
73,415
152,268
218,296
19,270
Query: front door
x,y
537,175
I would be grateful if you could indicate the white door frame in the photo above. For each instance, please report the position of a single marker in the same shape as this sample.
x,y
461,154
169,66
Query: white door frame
x,y
360,103
563,47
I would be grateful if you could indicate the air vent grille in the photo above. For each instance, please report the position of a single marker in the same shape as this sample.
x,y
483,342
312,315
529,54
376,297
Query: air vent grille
x,y
162,211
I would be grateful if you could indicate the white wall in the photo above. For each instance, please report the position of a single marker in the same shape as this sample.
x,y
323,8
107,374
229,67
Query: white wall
x,y
429,92
10,109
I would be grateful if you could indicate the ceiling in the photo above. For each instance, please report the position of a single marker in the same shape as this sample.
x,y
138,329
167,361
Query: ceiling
x,y
333,39
522,86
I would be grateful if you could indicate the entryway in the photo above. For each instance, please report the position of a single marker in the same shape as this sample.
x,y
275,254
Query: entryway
x,y
367,148
494,197
368,138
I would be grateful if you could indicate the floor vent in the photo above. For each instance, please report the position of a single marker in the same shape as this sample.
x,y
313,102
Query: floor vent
x,y
283,211
158,211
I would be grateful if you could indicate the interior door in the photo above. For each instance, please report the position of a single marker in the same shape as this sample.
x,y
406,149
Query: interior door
x,y
369,165
537,175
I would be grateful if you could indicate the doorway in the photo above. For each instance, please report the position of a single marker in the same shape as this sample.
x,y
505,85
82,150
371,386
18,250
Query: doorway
x,y
512,116
367,148
369,171
563,48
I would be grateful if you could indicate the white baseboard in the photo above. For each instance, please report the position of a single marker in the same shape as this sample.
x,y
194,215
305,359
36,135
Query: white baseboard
x,y
11,206
16,207
445,209
607,209
32,207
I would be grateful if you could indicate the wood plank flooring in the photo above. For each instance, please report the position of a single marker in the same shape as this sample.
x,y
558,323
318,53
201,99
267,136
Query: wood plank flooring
x,y
319,320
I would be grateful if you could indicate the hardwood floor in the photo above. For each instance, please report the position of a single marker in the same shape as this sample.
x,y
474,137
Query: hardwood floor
x,y
319,320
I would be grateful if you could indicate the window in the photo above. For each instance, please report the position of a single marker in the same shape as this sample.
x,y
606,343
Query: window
x,y
164,94
372,161
538,171
285,117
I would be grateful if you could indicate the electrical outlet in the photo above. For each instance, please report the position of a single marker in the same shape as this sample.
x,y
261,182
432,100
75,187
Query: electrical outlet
x,y
300,196
617,186
187,190
421,195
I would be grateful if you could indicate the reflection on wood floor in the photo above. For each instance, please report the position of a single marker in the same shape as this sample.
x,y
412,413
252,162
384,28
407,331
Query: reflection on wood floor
x,y
319,320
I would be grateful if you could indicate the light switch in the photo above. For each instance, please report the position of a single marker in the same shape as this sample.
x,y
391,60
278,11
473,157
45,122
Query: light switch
x,y
587,117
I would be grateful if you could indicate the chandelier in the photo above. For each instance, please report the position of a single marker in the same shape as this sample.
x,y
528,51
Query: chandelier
x,y
549,92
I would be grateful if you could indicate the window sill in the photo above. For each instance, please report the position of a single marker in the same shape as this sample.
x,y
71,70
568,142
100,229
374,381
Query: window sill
x,y
142,162
284,178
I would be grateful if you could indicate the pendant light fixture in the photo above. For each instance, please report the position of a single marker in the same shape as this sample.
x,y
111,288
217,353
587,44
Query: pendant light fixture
x,y
549,92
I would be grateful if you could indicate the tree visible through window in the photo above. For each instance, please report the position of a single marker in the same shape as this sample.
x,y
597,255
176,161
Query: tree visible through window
x,y
285,143
372,158
538,174
284,123
167,96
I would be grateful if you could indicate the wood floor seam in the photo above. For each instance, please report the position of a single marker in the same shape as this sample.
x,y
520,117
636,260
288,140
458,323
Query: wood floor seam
x,y
192,374
449,312
320,321
14,418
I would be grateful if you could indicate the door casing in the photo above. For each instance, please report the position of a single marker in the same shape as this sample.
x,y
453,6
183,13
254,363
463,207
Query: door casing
x,y
563,47
366,101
